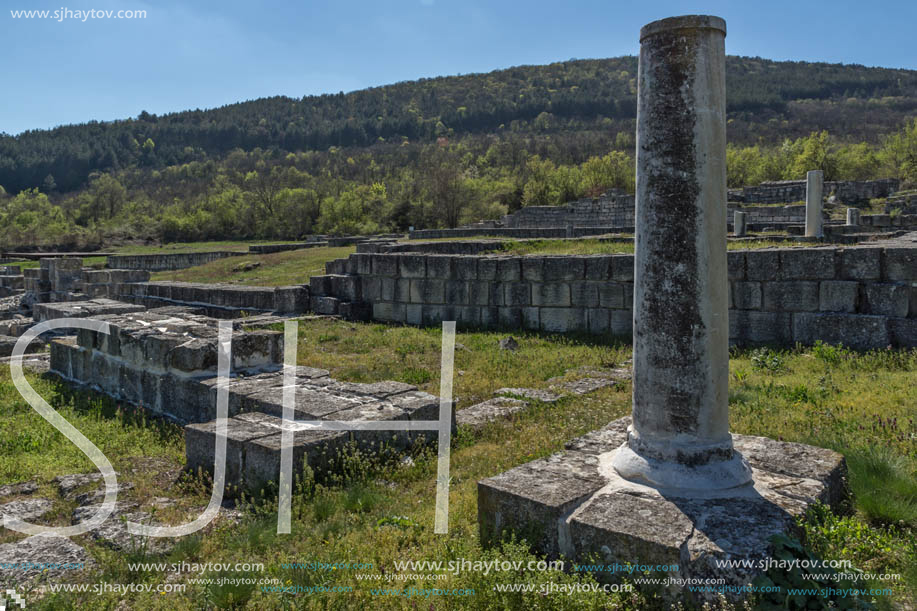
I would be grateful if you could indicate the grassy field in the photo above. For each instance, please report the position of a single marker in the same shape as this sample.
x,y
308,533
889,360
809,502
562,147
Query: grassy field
x,y
170,248
591,246
276,269
382,512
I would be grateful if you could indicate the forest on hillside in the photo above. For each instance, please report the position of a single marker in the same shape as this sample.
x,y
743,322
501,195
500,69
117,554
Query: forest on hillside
x,y
427,153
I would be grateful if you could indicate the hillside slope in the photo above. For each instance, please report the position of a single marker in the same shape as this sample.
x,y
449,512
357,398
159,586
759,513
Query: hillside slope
x,y
767,102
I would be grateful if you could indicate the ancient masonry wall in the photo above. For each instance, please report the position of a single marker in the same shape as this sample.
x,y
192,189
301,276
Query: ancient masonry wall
x,y
64,280
166,262
607,211
167,364
616,210
860,296
159,361
525,233
848,192
220,300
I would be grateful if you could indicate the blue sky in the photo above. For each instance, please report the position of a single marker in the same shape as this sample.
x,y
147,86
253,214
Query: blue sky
x,y
187,55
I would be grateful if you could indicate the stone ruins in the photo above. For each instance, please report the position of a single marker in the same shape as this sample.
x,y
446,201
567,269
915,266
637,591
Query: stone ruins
x,y
671,486
668,485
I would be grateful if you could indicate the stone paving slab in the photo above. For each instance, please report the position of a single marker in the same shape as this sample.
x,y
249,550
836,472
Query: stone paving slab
x,y
477,416
25,509
83,309
584,385
18,489
534,394
63,555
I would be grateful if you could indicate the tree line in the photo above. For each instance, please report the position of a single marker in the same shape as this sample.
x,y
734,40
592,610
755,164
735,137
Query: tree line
x,y
271,194
767,102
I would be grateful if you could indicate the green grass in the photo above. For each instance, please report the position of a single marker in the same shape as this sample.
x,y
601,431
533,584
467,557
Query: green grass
x,y
381,512
593,246
277,269
169,248
176,247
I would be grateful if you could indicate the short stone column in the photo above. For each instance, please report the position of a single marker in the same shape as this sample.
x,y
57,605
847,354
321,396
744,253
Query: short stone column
x,y
853,216
680,433
815,185
569,230
739,224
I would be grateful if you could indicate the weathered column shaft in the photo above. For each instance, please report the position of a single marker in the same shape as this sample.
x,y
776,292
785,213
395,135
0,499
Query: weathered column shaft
x,y
680,433
853,216
739,224
815,183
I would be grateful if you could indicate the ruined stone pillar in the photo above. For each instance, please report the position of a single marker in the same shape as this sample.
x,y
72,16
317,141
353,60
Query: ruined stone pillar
x,y
815,184
680,433
739,224
853,216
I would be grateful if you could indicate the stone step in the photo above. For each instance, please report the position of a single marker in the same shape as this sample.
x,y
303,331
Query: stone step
x,y
253,445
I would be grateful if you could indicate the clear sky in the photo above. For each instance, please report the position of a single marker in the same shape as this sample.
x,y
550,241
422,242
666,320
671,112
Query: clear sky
x,y
187,54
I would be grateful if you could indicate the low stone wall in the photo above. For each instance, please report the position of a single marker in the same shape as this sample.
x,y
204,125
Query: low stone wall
x,y
107,282
906,203
159,361
863,297
168,365
849,192
470,247
166,262
762,215
897,221
42,312
615,211
609,210
530,233
264,249
227,297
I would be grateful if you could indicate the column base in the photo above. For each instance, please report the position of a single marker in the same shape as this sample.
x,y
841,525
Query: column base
x,y
574,505
681,466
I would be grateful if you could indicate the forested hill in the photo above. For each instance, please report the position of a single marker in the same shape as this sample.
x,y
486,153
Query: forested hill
x,y
767,101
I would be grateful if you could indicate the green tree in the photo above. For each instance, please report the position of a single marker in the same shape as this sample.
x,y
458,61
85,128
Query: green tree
x,y
107,196
898,155
48,184
813,153
615,170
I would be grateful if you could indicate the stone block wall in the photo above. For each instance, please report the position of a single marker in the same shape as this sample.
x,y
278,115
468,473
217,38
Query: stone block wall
x,y
165,262
159,361
221,299
762,215
613,210
107,282
847,192
167,364
865,297
905,202
524,233
55,280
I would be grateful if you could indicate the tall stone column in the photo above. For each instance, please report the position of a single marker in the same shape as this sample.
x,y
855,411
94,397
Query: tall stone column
x,y
739,224
815,184
680,432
